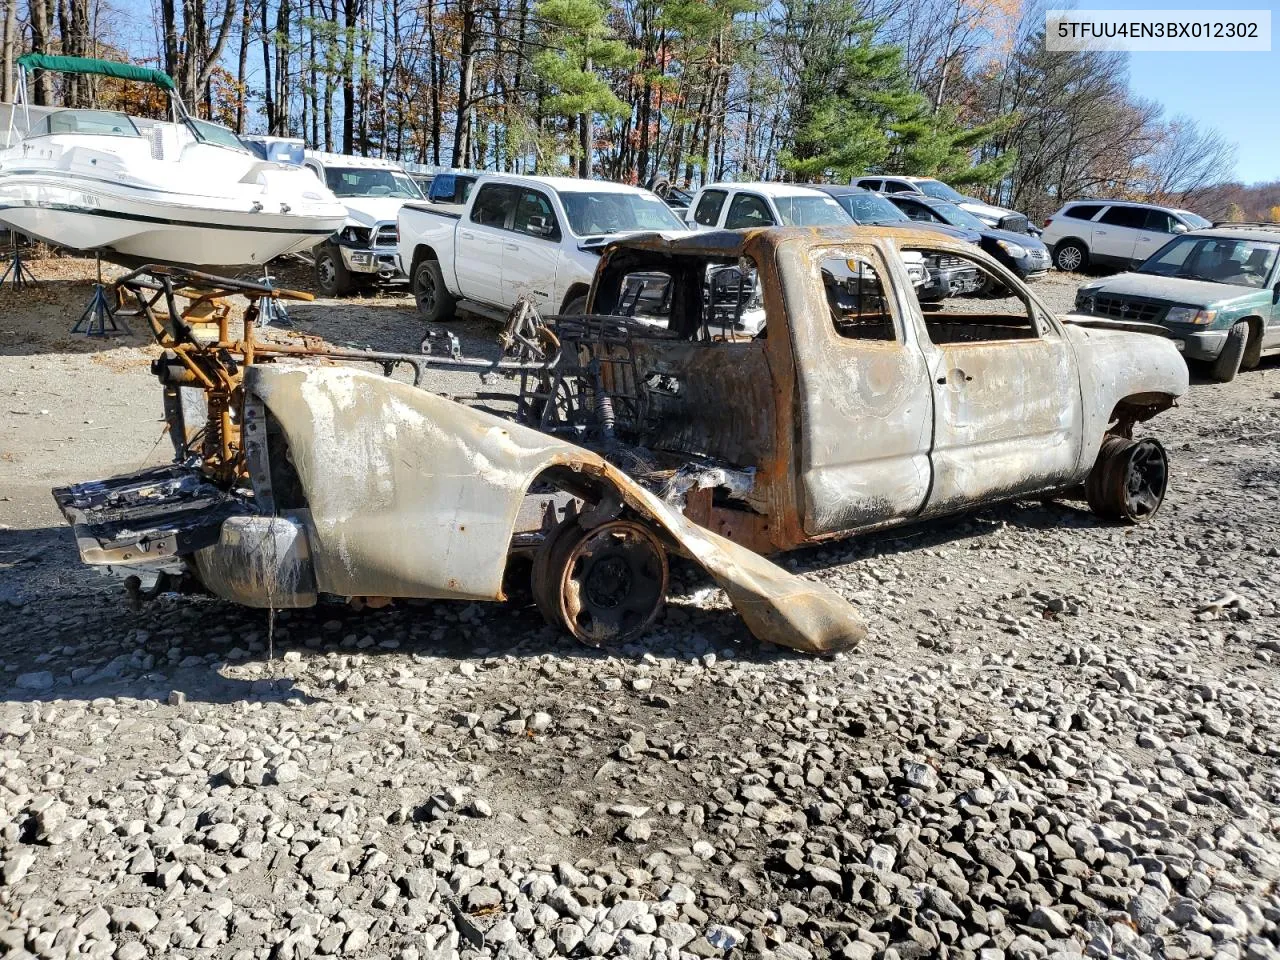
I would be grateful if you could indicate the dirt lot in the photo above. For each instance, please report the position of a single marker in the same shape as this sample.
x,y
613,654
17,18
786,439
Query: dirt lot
x,y
1061,736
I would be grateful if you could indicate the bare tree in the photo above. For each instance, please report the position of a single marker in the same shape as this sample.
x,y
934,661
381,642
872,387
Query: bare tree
x,y
8,50
1184,162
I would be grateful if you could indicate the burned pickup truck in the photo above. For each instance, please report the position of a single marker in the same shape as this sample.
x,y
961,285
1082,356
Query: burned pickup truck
x,y
597,446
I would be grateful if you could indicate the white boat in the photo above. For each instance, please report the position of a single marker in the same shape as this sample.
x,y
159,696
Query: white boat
x,y
183,191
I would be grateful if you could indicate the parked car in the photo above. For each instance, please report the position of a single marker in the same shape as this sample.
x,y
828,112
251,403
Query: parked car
x,y
1022,253
740,206
624,444
947,275
991,215
364,250
517,236
1113,232
1217,291
743,206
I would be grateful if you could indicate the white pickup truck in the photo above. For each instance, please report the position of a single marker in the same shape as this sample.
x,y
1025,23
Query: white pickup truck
x,y
520,236
364,250
743,206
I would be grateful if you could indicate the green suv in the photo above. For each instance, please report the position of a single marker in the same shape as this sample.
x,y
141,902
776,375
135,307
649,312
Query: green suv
x,y
1216,290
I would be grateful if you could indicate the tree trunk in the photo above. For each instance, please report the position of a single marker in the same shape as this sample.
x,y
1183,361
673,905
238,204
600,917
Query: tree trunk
x,y
466,76
586,136
8,48
313,79
328,79
242,65
351,20
434,54
41,35
268,92
283,14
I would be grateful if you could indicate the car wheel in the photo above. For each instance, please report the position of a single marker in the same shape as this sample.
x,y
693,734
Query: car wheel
x,y
575,307
606,584
1129,479
434,301
1070,256
332,276
1227,365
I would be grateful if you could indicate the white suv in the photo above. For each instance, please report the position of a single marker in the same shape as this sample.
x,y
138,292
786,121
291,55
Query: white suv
x,y
1117,233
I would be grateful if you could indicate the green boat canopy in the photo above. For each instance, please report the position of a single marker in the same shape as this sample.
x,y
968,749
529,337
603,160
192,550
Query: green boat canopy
x,y
104,68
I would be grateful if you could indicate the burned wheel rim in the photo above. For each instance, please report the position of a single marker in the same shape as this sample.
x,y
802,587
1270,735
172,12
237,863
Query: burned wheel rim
x,y
1129,480
607,584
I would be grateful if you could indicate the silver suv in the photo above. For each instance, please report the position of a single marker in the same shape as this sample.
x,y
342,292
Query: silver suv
x,y
1117,233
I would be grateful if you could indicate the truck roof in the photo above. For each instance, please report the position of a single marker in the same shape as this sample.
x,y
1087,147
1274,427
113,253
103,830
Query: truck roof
x,y
564,184
767,189
735,243
344,160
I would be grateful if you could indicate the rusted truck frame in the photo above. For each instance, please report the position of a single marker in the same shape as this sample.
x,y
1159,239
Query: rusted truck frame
x,y
303,477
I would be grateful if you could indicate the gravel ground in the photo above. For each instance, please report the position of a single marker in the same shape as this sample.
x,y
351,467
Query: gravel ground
x,y
1061,736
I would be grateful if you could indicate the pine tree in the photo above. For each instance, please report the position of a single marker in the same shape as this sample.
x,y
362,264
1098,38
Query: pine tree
x,y
579,44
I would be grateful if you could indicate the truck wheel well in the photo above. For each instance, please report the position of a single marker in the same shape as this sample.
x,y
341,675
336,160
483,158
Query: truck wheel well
x,y
575,291
1138,408
1253,350
421,253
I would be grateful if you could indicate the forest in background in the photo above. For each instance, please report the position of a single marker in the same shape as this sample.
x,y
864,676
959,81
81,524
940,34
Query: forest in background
x,y
687,91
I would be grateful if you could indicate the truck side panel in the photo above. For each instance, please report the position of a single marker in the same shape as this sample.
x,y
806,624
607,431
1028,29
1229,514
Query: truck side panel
x,y
428,233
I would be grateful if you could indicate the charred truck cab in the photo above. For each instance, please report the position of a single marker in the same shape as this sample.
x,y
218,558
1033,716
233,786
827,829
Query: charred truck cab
x,y
655,425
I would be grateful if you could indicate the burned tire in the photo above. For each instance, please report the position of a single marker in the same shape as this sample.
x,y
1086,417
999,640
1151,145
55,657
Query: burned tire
x,y
435,303
575,307
605,585
1128,480
1225,368
333,279
1070,256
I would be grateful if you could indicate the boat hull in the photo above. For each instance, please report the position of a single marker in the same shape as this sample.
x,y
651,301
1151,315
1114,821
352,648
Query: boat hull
x,y
135,226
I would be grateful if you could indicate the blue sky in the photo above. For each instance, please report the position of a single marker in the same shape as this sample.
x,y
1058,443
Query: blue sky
x,y
1236,93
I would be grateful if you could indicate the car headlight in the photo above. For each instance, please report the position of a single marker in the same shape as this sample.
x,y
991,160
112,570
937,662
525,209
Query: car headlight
x,y
1190,315
1015,250
355,234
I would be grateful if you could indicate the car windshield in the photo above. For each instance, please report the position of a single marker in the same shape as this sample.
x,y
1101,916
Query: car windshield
x,y
361,182
871,208
1243,263
1194,220
803,211
953,215
606,212
939,191
207,132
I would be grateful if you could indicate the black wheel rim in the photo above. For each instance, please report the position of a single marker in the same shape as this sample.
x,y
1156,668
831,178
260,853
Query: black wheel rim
x,y
426,289
1146,478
